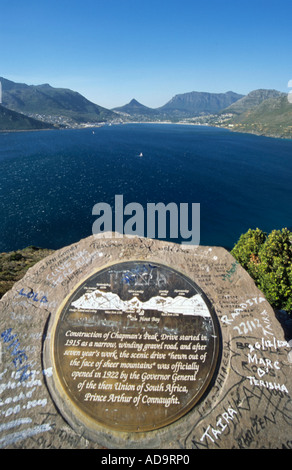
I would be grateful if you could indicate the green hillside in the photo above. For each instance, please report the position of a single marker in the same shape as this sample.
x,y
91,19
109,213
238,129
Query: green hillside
x,y
48,103
273,117
12,121
251,100
14,265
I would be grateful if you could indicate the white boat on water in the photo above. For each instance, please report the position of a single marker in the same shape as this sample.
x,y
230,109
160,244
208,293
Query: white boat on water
x,y
140,154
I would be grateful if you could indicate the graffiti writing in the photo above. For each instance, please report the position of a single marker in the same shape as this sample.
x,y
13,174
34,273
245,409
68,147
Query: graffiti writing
x,y
33,296
19,356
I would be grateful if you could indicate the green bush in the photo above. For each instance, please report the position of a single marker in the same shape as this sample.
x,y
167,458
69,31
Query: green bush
x,y
268,260
15,256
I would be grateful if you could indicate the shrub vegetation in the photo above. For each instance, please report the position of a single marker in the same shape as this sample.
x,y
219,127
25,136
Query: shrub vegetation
x,y
268,260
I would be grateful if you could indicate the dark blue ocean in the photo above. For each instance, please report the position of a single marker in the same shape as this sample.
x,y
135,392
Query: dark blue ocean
x,y
50,180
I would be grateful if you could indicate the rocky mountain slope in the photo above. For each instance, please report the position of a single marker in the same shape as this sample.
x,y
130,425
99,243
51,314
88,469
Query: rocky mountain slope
x,y
47,103
11,120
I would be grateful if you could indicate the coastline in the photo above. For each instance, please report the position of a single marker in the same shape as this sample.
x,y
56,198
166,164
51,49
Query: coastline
x,y
10,131
237,131
179,123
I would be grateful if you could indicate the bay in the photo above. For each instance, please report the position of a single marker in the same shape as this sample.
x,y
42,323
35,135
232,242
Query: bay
x,y
50,180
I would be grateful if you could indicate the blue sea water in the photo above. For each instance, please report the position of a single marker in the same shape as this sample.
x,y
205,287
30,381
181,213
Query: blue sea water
x,y
50,180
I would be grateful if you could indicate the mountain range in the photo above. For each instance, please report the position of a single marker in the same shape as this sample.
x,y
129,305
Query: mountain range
x,y
30,107
261,112
271,116
197,103
181,106
136,110
252,100
99,300
54,105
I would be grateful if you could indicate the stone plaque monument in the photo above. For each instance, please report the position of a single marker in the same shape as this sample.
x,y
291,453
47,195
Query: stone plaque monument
x,y
134,347
141,344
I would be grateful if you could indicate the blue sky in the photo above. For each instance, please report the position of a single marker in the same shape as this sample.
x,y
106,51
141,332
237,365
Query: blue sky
x,y
114,50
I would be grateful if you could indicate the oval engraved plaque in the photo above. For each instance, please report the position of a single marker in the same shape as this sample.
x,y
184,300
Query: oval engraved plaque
x,y
135,346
